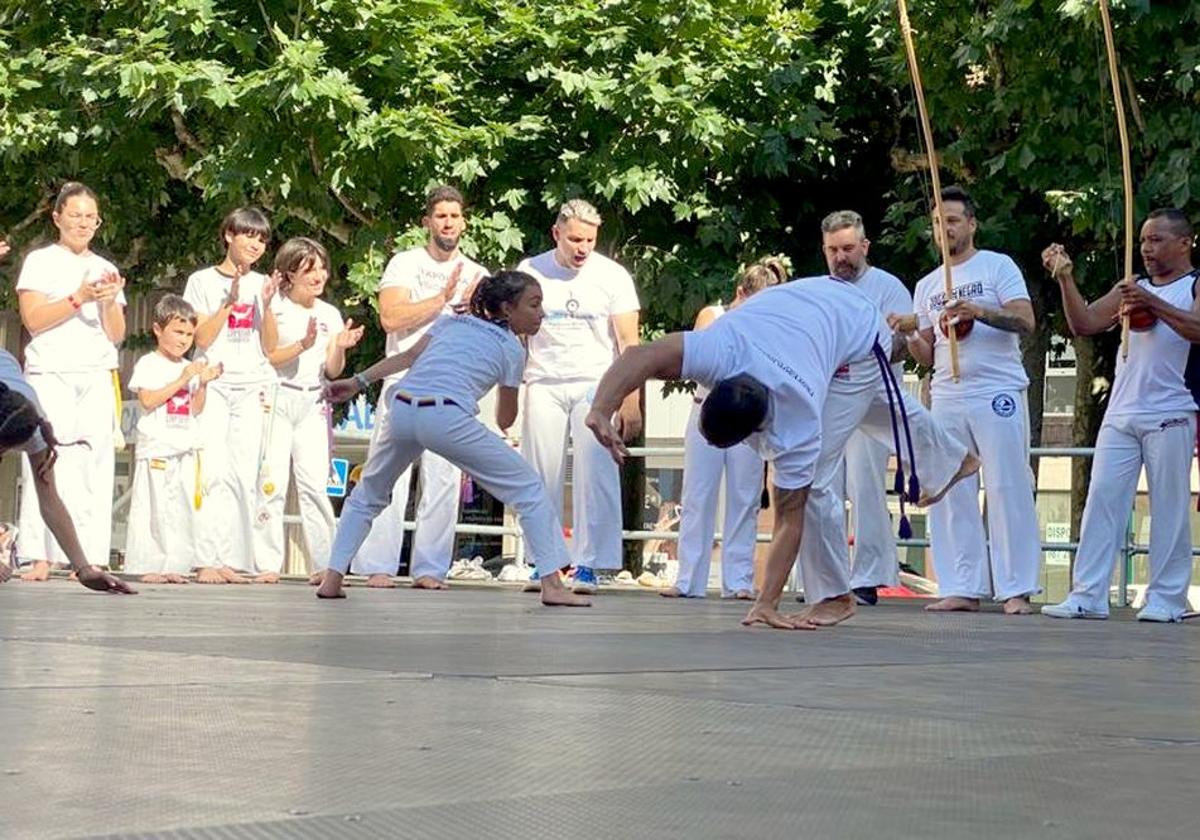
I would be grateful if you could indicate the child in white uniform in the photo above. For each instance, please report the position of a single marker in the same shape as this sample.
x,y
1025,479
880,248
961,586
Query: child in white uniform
x,y
703,464
434,408
313,341
236,330
167,490
72,303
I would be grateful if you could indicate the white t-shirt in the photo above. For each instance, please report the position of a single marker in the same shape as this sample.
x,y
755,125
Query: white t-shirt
x,y
238,346
79,343
1151,380
10,375
465,358
425,277
170,429
989,360
308,369
792,338
889,294
576,341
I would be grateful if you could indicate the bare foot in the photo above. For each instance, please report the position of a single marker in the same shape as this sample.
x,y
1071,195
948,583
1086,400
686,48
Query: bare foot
x,y
955,603
230,576
670,592
174,578
331,586
556,594
427,582
316,577
1018,606
762,613
267,577
207,574
743,595
38,571
829,612
970,465
5,572
153,577
381,582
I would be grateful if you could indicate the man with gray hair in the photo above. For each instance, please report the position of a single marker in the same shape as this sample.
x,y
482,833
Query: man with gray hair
x,y
591,310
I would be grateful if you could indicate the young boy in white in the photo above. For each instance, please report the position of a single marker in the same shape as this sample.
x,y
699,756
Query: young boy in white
x,y
703,465
1150,420
418,286
236,330
769,364
987,410
591,317
73,306
161,544
313,341
460,360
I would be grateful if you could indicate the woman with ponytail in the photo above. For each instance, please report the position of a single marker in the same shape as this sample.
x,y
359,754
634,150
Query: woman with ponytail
x,y
433,408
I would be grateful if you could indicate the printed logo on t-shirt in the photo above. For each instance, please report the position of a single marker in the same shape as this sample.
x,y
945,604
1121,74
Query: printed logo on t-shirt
x,y
241,322
842,373
572,307
973,289
179,408
1004,405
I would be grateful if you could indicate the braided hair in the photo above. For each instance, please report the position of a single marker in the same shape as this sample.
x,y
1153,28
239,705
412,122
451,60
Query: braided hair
x,y
494,291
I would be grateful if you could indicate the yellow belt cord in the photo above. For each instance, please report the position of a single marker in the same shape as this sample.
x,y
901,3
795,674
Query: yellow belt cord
x,y
197,497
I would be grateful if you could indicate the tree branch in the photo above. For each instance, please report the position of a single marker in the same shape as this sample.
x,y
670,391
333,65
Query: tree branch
x,y
346,203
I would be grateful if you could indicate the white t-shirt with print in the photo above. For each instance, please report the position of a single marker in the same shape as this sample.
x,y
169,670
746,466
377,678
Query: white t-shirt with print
x,y
238,346
576,341
989,360
889,294
425,277
10,375
466,357
79,343
171,429
792,338
308,369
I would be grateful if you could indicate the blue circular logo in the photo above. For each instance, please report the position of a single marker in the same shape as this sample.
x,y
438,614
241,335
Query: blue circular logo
x,y
1004,405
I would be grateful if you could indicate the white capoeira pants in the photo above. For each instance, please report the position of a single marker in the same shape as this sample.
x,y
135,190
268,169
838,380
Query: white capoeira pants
x,y
160,537
703,465
460,438
552,412
996,428
824,558
299,445
873,559
1164,445
436,514
232,425
80,406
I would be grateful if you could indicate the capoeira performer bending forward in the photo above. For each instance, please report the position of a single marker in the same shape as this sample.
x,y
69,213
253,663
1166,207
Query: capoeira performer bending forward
x,y
1150,419
768,364
434,409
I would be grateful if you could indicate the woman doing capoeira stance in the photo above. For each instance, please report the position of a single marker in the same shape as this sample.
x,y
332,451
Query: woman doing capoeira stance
x,y
433,409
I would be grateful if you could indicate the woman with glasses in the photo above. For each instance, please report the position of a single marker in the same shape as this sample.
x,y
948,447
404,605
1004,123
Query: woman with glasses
x,y
73,306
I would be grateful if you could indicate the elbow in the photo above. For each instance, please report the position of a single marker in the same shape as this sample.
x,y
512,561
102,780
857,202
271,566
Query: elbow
x,y
392,323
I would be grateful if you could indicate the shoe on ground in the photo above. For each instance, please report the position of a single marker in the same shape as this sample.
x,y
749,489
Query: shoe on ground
x,y
1072,609
866,596
512,573
585,581
534,584
1157,614
624,578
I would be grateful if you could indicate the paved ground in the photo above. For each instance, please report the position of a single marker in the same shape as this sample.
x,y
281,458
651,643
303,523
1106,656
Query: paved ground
x,y
259,712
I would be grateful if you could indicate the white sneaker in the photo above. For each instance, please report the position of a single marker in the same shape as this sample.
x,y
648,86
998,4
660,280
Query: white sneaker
x,y
512,573
475,570
1072,609
1153,612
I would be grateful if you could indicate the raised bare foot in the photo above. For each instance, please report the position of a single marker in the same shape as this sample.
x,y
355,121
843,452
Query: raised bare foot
x,y
556,594
267,577
331,586
970,465
670,592
381,582
153,577
207,574
827,613
230,576
762,613
955,603
39,570
316,577
1018,605
427,582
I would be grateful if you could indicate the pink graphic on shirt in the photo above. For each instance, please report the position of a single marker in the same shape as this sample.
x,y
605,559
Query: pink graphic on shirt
x,y
842,373
241,316
180,403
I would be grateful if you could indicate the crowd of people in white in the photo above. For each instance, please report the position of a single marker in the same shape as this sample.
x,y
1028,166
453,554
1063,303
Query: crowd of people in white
x,y
798,375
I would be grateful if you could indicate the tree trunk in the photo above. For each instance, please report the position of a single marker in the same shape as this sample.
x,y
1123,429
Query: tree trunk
x,y
1033,355
1095,364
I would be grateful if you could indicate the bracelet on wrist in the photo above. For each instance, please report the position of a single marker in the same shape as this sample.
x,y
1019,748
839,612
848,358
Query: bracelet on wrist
x,y
75,304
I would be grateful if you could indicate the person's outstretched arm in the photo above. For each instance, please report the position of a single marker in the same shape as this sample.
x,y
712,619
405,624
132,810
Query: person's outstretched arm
x,y
662,359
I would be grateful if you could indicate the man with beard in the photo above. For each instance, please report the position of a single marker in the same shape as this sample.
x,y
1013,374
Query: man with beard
x,y
418,285
863,469
986,409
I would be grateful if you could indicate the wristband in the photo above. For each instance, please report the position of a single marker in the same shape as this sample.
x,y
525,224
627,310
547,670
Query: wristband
x,y
74,303
363,384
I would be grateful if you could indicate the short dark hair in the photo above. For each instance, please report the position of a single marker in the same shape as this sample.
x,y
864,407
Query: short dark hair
x,y
249,220
957,193
298,254
19,418
71,189
1177,220
733,410
440,193
171,306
